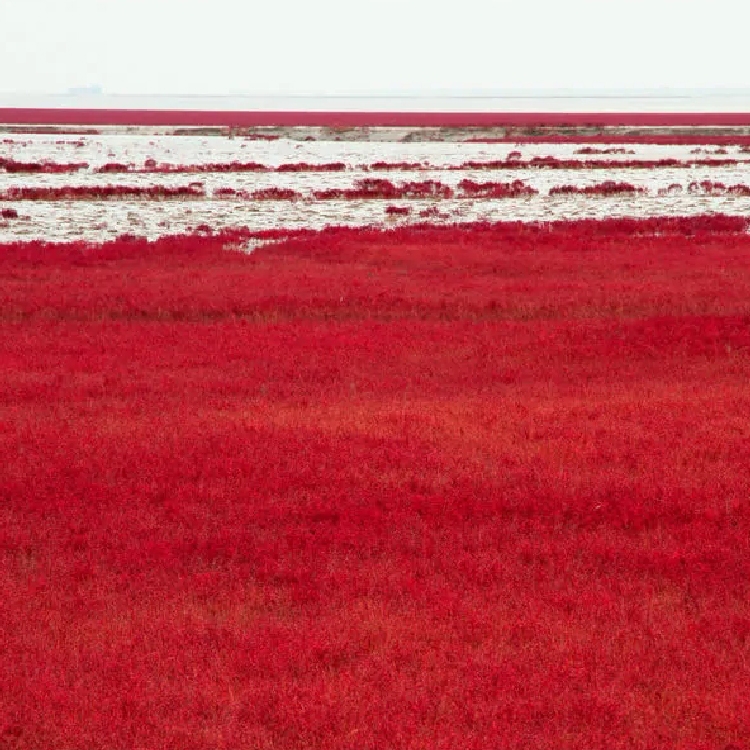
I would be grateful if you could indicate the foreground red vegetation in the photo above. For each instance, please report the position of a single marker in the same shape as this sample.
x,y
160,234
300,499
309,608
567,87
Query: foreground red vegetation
x,y
429,488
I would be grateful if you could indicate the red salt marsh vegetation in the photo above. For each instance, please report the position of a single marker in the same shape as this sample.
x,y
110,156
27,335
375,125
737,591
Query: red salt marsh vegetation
x,y
151,167
272,193
380,188
18,167
643,123
102,192
398,210
718,188
363,189
385,166
612,136
612,150
602,188
512,161
554,162
422,488
496,189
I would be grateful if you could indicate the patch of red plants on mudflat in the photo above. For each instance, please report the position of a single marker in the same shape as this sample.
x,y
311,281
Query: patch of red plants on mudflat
x,y
151,167
718,188
19,167
103,192
432,212
305,167
707,187
605,136
514,161
8,213
513,189
602,188
385,166
264,194
554,162
422,488
588,150
114,168
380,188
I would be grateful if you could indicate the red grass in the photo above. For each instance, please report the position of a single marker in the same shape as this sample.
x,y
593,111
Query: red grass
x,y
113,168
496,189
151,167
378,188
240,119
718,188
680,138
266,194
513,161
432,212
383,166
18,167
603,188
9,213
273,193
553,162
610,150
675,187
397,210
102,192
304,167
427,488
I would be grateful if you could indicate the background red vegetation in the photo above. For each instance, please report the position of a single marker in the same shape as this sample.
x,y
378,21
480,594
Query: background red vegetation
x,y
429,487
248,118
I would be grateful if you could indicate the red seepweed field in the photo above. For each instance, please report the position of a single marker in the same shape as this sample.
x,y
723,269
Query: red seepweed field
x,y
428,487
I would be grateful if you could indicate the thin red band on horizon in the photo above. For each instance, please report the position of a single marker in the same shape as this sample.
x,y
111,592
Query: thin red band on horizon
x,y
200,118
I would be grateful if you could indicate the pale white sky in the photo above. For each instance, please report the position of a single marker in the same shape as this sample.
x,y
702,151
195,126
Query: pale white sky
x,y
202,47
